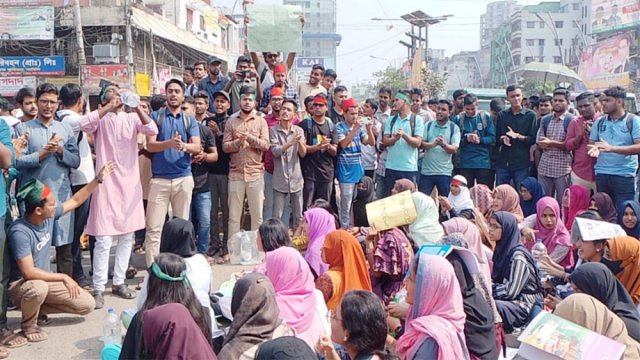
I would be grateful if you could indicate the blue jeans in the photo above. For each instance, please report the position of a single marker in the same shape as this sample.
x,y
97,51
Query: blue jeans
x,y
441,182
347,195
620,188
267,209
380,182
390,177
201,218
512,177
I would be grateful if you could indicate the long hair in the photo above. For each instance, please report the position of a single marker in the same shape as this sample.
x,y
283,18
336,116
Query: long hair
x,y
161,292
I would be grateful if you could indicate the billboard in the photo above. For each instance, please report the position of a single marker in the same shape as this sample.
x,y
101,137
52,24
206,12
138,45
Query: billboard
x,y
304,65
606,63
30,23
9,85
90,75
609,15
31,65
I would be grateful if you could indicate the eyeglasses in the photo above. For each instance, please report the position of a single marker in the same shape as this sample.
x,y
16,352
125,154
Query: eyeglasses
x,y
331,315
272,55
317,105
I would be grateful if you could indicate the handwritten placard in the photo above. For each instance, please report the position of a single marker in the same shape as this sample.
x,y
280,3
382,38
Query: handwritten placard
x,y
274,28
393,211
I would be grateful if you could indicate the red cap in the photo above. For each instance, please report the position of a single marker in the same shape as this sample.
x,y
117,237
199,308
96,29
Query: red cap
x,y
319,99
277,91
348,103
279,69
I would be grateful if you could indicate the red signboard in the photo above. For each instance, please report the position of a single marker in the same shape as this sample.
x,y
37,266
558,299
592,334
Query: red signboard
x,y
90,76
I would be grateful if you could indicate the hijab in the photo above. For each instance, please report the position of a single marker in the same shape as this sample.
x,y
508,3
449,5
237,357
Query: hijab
x,y
482,197
595,279
627,250
474,242
462,201
635,206
363,197
285,348
320,223
178,237
551,238
508,245
537,192
510,200
605,207
347,262
392,257
579,201
426,229
293,283
404,185
170,332
588,312
437,311
255,315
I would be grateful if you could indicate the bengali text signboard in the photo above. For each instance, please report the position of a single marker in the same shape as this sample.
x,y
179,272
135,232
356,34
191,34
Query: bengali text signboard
x,y
31,65
26,23
9,85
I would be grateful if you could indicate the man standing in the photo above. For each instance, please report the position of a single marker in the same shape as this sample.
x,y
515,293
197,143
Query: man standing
x,y
369,152
577,140
441,140
336,113
172,183
199,72
266,69
6,160
288,146
72,105
189,81
245,75
458,104
313,87
349,166
214,81
477,140
26,99
402,137
555,162
318,164
246,138
51,153
516,133
383,113
279,74
615,142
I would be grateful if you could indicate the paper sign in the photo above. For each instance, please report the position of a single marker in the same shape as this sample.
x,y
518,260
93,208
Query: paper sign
x,y
274,28
393,211
143,84
598,230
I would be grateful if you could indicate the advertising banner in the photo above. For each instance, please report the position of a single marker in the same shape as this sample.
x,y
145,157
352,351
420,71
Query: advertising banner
x,y
606,63
26,23
608,15
10,85
31,65
304,65
91,75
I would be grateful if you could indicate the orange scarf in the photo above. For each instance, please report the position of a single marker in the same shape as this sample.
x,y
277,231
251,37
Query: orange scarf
x,y
345,258
627,250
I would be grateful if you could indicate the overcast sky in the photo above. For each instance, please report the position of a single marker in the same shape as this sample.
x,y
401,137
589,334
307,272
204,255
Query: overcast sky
x,y
362,37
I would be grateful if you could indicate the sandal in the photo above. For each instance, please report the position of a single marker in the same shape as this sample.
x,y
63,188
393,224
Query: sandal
x,y
123,291
4,352
139,249
223,259
44,320
12,340
35,335
212,251
131,272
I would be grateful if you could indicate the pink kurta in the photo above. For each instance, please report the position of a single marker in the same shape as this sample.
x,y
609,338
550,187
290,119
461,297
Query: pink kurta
x,y
116,205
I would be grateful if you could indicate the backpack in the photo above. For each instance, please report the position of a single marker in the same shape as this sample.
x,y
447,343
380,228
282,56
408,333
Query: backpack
x,y
412,123
546,120
309,125
263,74
452,131
628,120
188,120
484,119
60,118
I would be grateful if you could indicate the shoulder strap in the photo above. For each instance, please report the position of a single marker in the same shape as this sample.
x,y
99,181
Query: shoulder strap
x,y
161,116
545,123
263,74
629,120
452,131
567,120
393,122
412,124
428,129
484,120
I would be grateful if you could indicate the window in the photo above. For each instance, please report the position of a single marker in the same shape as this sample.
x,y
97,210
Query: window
x,y
528,59
530,42
541,23
556,42
557,59
531,24
318,4
559,24
576,6
541,42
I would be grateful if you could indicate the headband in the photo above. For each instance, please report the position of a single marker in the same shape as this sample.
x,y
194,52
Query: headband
x,y
403,97
249,95
155,269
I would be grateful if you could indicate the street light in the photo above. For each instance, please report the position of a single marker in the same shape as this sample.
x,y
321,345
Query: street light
x,y
381,58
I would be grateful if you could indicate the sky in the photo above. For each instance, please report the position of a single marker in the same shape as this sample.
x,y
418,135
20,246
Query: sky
x,y
362,37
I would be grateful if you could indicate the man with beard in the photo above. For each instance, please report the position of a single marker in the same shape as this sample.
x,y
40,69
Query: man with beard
x,y
172,183
383,113
245,75
26,99
458,104
336,113
313,87
199,72
578,139
246,138
189,81
215,81
280,76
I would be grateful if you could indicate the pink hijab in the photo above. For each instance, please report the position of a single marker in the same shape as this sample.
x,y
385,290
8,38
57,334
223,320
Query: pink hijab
x,y
556,236
579,201
437,311
294,286
472,235
321,222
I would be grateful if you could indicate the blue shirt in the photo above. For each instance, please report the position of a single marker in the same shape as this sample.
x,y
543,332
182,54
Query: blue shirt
x,y
171,163
476,156
616,133
211,88
402,156
5,139
349,168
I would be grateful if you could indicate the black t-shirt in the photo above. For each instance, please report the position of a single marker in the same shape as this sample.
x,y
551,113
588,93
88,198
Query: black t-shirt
x,y
200,171
318,166
335,117
220,167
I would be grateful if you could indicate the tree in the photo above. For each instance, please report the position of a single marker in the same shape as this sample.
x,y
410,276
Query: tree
x,y
392,78
432,83
537,87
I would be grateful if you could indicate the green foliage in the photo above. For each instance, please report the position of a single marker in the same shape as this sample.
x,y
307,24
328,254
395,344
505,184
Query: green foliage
x,y
433,84
391,77
537,87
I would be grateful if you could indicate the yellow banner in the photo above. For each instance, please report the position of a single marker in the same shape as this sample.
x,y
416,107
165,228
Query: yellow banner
x,y
143,84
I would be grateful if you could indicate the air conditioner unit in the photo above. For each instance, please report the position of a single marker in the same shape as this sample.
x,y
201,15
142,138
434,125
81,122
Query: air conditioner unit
x,y
106,53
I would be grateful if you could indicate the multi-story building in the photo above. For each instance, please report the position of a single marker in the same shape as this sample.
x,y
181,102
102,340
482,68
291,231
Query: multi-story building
x,y
498,13
464,71
501,60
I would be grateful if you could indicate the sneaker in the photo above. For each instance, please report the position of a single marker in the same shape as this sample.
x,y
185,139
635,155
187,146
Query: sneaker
x,y
99,297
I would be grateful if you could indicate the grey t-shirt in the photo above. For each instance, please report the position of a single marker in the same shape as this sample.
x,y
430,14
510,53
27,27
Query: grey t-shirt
x,y
27,239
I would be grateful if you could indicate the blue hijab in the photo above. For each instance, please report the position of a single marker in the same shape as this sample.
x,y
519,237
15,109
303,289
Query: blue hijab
x,y
537,193
635,231
507,247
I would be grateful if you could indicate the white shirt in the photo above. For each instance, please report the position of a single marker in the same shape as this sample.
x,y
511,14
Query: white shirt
x,y
85,173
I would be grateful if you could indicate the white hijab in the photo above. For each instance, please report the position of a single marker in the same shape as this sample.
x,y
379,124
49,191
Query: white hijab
x,y
461,201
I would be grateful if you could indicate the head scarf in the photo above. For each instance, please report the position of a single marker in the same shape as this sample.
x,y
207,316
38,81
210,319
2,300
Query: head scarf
x,y
404,185
363,197
510,200
437,311
588,312
178,237
170,332
255,315
285,348
605,206
463,200
508,245
579,201
627,250
346,260
392,257
294,286
537,192
482,197
551,238
595,279
321,222
426,229
635,206
473,240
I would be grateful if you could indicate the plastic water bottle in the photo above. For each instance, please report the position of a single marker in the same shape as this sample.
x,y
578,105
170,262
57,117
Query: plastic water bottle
x,y
130,99
401,296
538,251
246,253
111,331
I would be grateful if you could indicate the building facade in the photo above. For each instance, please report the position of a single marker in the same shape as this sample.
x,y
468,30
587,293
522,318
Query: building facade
x,y
497,14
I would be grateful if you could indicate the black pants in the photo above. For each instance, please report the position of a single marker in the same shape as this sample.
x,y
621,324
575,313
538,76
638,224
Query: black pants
x,y
80,221
481,176
315,190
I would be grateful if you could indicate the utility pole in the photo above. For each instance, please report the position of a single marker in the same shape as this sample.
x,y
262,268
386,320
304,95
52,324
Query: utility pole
x,y
77,23
127,29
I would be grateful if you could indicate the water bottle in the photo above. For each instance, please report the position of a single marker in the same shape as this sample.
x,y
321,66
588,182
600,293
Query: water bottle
x,y
538,251
111,333
401,296
246,253
130,99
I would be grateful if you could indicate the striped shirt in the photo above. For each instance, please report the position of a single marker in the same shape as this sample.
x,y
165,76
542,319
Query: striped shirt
x,y
349,167
521,286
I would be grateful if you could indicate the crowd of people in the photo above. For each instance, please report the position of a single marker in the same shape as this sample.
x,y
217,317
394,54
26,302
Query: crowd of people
x,y
180,174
